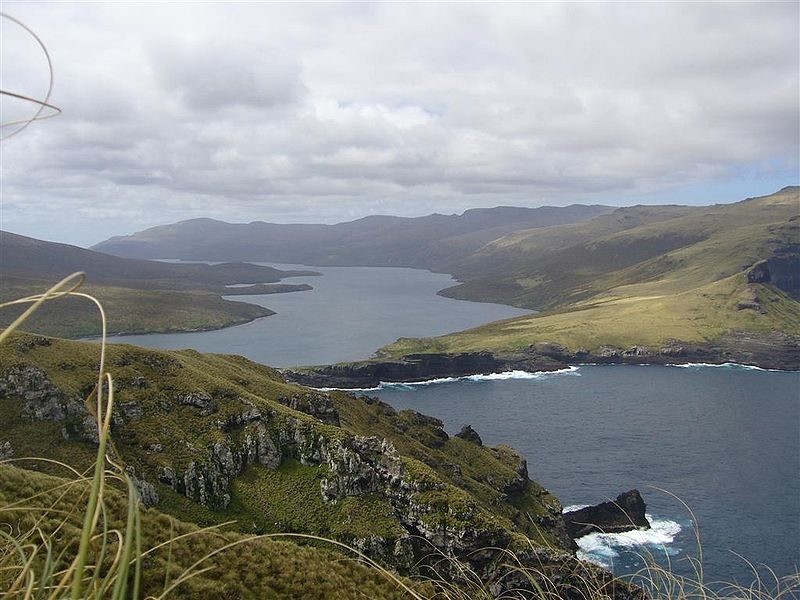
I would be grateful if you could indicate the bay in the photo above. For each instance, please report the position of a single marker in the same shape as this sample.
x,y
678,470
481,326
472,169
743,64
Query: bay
x,y
349,313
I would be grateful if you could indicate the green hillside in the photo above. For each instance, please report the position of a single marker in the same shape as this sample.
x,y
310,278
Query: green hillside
x,y
140,296
687,274
211,438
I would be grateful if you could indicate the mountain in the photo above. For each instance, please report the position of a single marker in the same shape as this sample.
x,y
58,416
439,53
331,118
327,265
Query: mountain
x,y
430,242
139,295
215,438
28,258
641,276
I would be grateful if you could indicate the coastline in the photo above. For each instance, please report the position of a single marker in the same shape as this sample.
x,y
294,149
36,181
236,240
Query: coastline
x,y
769,352
237,323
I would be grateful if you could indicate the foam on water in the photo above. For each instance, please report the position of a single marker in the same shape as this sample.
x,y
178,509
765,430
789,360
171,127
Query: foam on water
x,y
474,378
603,548
727,365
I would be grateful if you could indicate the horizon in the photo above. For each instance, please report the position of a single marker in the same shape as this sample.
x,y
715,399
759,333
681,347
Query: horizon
x,y
88,245
328,113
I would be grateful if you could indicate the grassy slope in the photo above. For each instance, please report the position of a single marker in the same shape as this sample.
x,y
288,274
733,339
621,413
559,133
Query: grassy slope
x,y
140,296
263,500
679,278
256,569
128,310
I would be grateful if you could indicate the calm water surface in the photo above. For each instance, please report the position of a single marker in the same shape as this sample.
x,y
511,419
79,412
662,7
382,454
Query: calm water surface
x,y
724,440
350,313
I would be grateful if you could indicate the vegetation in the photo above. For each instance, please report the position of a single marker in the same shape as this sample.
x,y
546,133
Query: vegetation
x,y
140,296
131,311
663,274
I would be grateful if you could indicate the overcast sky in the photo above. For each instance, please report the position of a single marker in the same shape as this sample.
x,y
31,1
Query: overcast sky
x,y
329,112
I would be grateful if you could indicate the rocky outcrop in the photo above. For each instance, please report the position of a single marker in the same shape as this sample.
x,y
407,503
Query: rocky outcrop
x,y
6,451
42,400
626,513
469,434
414,367
316,404
782,270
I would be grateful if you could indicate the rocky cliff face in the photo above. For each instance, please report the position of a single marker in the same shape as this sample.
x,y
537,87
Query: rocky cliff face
x,y
782,270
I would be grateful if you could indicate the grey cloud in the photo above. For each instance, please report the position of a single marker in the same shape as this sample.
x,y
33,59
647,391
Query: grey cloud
x,y
328,112
213,75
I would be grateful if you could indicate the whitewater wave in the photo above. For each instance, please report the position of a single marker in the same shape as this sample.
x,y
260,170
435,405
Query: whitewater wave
x,y
383,385
727,365
602,548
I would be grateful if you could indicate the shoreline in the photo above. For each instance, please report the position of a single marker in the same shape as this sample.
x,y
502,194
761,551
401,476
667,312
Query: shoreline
x,y
767,352
503,375
109,335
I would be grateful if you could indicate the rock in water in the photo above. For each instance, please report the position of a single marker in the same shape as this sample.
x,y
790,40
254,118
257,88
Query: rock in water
x,y
626,513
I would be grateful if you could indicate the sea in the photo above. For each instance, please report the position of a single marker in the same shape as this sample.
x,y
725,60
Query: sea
x,y
714,450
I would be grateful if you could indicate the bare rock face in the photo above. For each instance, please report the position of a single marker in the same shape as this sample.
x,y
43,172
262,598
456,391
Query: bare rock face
x,y
316,404
469,434
626,513
6,451
45,402
781,270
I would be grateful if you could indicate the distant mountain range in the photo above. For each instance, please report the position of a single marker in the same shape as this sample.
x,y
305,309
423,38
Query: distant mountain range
x,y
431,242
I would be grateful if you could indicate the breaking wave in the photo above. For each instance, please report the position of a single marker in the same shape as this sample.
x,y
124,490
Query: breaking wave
x,y
475,378
603,548
727,365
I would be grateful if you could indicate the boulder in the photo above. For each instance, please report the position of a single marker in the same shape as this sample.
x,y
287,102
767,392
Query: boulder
x,y
626,513
469,434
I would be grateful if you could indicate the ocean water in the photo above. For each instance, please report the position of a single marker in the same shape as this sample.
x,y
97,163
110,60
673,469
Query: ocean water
x,y
712,449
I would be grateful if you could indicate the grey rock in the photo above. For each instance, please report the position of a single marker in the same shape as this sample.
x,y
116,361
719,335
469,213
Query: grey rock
x,y
469,434
199,400
6,451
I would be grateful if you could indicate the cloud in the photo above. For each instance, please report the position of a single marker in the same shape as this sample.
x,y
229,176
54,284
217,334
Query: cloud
x,y
324,112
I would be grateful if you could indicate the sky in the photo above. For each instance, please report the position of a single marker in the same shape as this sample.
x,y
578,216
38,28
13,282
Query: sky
x,y
327,112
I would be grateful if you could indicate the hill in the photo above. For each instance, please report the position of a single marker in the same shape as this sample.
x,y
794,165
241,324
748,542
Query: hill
x,y
430,242
642,276
139,295
210,438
